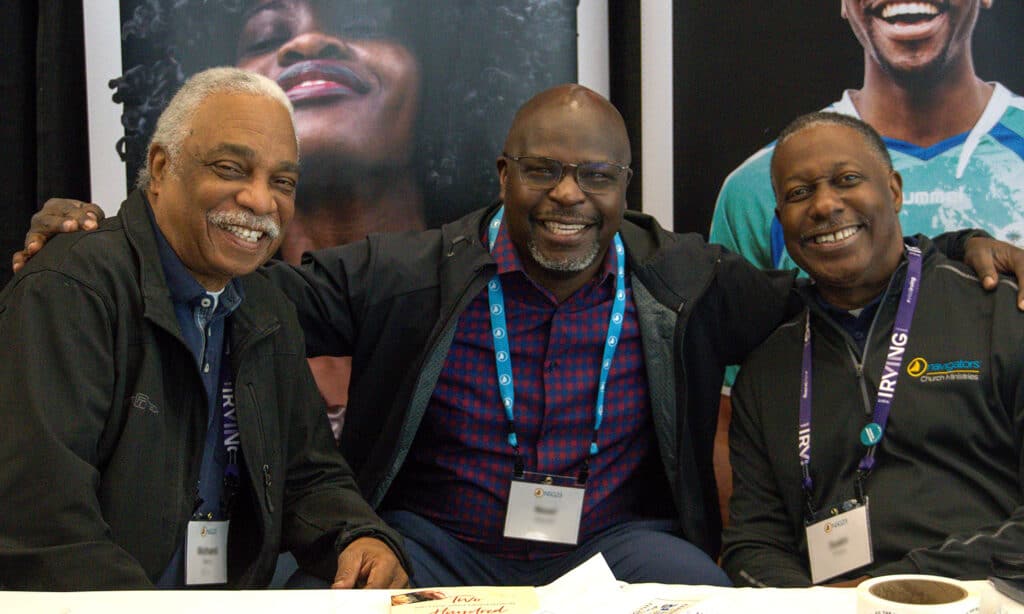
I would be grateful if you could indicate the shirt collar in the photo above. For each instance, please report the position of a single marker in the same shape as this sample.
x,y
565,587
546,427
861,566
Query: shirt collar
x,y
184,288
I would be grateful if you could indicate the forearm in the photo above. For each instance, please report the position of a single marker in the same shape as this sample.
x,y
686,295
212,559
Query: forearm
x,y
761,542
965,556
762,563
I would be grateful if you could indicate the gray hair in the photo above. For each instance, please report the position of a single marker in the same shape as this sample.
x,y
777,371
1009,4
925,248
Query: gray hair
x,y
173,126
828,118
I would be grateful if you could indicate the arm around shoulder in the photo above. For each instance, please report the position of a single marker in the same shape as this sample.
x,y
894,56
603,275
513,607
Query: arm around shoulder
x,y
320,290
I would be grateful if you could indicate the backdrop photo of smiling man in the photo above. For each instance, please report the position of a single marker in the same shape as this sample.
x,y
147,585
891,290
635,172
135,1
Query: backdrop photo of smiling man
x,y
161,425
957,141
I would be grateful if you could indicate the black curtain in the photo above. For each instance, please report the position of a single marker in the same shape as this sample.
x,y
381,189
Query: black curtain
x,y
624,83
44,128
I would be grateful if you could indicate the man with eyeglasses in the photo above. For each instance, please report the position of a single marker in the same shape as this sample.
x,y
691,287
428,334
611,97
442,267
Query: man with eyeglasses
x,y
511,369
538,381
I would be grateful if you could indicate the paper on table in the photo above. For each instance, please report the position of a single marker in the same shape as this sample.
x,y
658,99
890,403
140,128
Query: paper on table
x,y
590,587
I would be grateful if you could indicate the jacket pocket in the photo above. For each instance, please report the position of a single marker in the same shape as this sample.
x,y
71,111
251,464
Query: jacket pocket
x,y
265,469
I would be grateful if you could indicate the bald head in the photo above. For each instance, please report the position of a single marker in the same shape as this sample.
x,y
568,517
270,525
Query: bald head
x,y
569,111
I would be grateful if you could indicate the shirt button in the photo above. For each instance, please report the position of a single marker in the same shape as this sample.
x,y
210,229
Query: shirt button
x,y
206,368
205,302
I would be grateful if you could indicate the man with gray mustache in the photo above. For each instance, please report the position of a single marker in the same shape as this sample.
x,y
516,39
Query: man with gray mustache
x,y
183,441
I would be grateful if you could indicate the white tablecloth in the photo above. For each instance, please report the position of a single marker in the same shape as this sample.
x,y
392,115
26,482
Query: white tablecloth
x,y
610,599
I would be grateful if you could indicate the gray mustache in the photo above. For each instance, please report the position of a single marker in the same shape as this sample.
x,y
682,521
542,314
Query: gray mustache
x,y
262,223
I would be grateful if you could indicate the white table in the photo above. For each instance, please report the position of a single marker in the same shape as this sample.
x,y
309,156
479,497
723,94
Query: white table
x,y
610,599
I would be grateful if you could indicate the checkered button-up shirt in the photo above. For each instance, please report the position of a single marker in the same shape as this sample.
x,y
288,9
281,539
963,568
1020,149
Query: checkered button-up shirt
x,y
460,465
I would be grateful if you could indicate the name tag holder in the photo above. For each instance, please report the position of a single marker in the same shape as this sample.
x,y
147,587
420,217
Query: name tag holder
x,y
206,552
544,508
840,542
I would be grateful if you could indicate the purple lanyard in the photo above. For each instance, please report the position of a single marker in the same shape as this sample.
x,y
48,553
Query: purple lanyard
x,y
871,434
229,419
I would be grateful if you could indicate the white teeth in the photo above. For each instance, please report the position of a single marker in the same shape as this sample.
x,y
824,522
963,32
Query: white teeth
x,y
838,235
312,83
908,8
564,229
246,234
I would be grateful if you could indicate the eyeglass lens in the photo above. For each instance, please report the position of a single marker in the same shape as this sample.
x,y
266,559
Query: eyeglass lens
x,y
545,173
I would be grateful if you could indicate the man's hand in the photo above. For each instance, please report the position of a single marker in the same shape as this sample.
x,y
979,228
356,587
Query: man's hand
x,y
57,215
369,563
987,256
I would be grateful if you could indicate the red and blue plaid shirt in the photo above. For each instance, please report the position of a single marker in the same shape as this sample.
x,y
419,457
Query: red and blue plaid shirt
x,y
460,465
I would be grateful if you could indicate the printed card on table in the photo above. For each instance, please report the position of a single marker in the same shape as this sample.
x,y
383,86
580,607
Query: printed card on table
x,y
466,600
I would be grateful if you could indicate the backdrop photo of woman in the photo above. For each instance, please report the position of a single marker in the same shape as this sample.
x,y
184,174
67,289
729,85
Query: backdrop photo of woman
x,y
400,107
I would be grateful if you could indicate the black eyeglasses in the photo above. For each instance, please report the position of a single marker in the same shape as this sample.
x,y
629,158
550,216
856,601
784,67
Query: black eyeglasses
x,y
541,173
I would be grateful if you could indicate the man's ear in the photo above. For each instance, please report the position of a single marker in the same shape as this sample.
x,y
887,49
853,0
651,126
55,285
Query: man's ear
x,y
502,164
896,187
986,4
159,166
842,9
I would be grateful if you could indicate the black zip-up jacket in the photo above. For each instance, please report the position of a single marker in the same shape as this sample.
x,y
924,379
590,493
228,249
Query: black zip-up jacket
x,y
947,489
103,420
392,303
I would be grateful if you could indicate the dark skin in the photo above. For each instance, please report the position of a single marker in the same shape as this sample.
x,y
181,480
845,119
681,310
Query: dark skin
x,y
987,257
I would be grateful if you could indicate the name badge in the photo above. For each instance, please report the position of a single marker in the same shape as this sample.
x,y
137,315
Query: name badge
x,y
206,552
840,543
544,508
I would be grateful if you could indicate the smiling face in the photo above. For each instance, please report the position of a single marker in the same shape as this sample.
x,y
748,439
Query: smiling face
x,y
561,234
916,39
355,91
837,201
224,201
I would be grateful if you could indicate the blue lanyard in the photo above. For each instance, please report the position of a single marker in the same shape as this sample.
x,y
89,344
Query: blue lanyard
x,y
503,355
872,433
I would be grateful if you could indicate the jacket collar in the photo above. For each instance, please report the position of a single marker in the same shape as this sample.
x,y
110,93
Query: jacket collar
x,y
251,315
156,297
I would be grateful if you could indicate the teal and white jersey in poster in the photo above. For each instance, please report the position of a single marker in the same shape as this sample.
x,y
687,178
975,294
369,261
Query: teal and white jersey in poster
x,y
972,180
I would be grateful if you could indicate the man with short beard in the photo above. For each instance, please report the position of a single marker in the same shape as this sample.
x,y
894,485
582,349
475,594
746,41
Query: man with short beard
x,y
161,426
